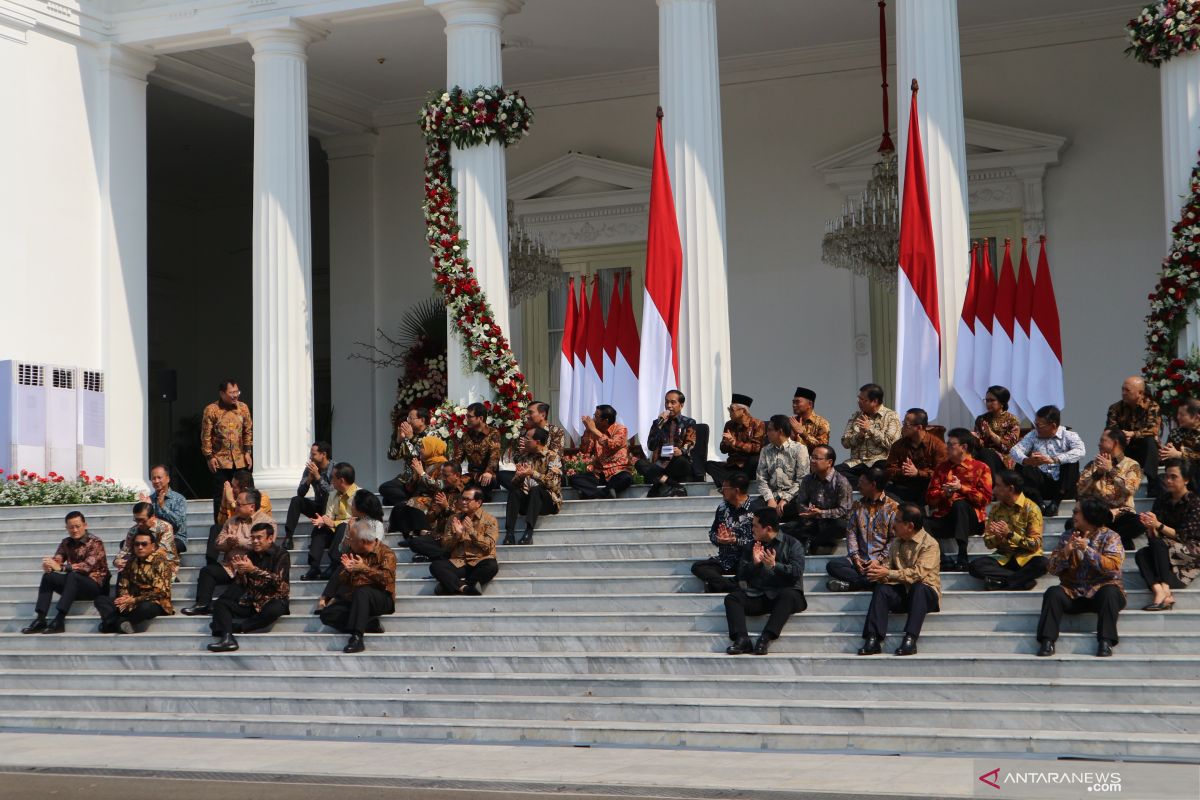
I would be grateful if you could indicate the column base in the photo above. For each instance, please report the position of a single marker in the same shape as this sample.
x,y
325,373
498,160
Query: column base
x,y
277,482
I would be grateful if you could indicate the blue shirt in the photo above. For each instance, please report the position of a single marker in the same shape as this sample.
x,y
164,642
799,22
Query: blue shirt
x,y
1065,447
174,511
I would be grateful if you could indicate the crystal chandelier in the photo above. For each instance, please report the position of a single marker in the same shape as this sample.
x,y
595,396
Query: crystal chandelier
x,y
533,266
865,238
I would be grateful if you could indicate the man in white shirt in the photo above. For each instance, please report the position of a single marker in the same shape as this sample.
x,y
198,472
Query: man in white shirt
x,y
1048,458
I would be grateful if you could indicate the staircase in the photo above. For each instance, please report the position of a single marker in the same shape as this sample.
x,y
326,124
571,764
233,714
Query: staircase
x,y
599,635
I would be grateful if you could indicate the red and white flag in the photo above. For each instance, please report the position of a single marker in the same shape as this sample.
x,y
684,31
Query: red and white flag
x,y
1002,329
659,358
1022,314
625,366
573,423
566,362
918,329
611,332
985,307
964,362
1045,376
593,391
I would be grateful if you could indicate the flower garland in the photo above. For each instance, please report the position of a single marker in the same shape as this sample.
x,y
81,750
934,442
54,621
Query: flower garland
x,y
466,119
1164,30
1171,379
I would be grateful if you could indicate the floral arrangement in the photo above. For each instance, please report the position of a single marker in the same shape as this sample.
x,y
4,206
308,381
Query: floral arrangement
x,y
574,465
449,421
1164,30
1170,378
466,119
25,488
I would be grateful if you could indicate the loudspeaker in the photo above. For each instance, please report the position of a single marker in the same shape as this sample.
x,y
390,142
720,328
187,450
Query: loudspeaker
x,y
165,385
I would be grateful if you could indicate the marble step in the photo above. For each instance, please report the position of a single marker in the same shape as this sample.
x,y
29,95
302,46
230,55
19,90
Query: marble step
x,y
854,737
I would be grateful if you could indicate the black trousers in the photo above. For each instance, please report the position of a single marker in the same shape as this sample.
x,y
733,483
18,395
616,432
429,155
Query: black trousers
x,y
110,618
451,578
1041,487
791,509
488,490
325,541
505,478
843,569
1154,563
715,576
911,490
210,548
720,470
407,520
1012,574
297,507
71,586
589,484
428,546
1144,450
1105,603
351,614
219,479
528,503
917,599
678,469
393,492
959,524
854,473
993,459
227,609
818,533
738,605
212,576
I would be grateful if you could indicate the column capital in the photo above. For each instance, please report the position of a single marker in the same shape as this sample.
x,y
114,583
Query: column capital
x,y
475,12
134,64
350,145
282,35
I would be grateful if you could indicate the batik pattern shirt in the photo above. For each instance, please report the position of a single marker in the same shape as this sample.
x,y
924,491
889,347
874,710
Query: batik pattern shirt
x,y
1004,425
1114,488
1141,419
1082,574
234,538
676,432
166,541
1187,441
976,481
607,453
1025,527
739,521
1184,518
86,556
148,580
925,454
380,572
874,443
831,494
810,432
480,452
780,470
747,440
476,543
227,433
1064,447
871,530
547,470
268,580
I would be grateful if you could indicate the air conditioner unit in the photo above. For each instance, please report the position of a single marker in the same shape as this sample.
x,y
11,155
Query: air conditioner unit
x,y
22,417
62,420
91,422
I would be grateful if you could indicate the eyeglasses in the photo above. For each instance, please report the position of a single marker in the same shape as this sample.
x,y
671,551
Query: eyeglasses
x,y
143,544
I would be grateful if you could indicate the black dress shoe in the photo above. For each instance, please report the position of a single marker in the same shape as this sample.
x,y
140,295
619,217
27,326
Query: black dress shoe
x,y
962,563
417,558
994,584
1050,509
288,543
311,575
762,646
908,647
1047,649
38,624
740,647
471,590
871,646
837,585
355,645
227,644
509,538
1104,649
57,625
374,625
196,611
527,538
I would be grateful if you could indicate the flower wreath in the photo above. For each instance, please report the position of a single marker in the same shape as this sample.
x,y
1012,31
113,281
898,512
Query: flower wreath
x,y
466,119
1170,379
1164,30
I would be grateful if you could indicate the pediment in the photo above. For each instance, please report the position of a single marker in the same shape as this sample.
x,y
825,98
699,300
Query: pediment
x,y
575,175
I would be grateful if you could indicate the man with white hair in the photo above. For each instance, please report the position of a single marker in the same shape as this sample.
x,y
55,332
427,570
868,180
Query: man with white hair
x,y
364,588
1139,417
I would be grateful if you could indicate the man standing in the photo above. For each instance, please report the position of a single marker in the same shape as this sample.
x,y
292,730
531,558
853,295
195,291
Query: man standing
x,y
536,487
769,578
143,588
226,438
913,458
731,530
742,440
330,526
871,530
169,505
318,477
470,543
909,581
782,465
958,496
823,503
364,588
672,437
1138,416
808,427
78,570
233,540
1014,531
605,448
259,593
870,432
1049,457
478,452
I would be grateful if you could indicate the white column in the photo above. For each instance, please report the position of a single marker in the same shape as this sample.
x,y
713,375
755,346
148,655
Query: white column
x,y
473,30
282,380
927,49
689,90
358,431
120,136
1179,84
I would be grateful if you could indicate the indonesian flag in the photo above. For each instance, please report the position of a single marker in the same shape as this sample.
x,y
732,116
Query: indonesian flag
x,y
579,352
918,330
985,308
659,358
1022,314
1002,329
1045,376
610,343
593,391
625,366
964,363
566,363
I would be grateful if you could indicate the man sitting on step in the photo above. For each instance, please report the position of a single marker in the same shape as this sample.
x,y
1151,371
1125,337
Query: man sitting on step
x,y
364,588
143,588
233,540
1049,457
871,531
144,520
782,465
317,477
470,544
731,531
770,574
429,547
78,570
823,503
1113,478
958,497
329,527
1139,418
536,487
477,453
741,440
669,444
605,449
537,415
908,581
1014,530
259,593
